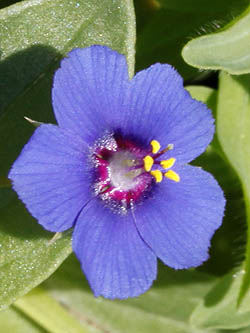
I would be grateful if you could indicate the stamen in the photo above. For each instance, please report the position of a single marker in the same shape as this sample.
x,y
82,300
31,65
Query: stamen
x,y
148,162
157,174
172,175
166,164
155,146
169,147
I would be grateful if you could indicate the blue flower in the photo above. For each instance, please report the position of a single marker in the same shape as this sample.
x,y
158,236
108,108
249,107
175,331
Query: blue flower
x,y
115,168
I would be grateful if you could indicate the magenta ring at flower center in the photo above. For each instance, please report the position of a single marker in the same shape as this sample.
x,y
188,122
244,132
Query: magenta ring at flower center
x,y
121,176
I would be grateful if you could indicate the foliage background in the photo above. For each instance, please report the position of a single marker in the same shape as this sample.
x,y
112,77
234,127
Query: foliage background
x,y
208,42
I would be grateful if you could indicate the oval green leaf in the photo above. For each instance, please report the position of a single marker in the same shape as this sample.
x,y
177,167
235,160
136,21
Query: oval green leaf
x,y
164,21
227,50
219,309
35,35
233,130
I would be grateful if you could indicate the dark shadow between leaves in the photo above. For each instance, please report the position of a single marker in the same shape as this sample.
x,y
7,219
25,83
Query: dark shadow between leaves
x,y
168,276
6,3
25,90
22,69
16,220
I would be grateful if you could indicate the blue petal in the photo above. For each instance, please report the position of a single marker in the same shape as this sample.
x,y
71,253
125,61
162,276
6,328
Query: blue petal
x,y
88,91
92,94
160,108
51,178
180,219
116,261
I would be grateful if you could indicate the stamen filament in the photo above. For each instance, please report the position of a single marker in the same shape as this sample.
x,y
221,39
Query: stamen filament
x,y
169,147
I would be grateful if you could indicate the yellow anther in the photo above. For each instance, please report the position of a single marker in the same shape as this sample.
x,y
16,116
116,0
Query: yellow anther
x,y
166,164
157,174
155,146
148,162
172,175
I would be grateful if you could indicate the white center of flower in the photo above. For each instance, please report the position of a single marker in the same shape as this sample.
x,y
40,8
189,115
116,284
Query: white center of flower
x,y
121,177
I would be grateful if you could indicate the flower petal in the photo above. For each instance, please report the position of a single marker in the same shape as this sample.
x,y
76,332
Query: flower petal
x,y
50,177
88,91
160,108
116,261
180,219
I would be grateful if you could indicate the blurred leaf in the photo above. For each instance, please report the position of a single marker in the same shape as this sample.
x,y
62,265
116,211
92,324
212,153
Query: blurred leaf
x,y
166,307
13,321
227,50
229,242
243,330
212,6
34,36
163,32
219,308
48,313
233,130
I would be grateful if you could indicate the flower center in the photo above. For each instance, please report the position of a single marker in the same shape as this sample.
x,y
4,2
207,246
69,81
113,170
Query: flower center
x,y
122,174
126,173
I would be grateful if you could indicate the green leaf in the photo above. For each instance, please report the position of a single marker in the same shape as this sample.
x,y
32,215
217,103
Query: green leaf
x,y
27,255
229,242
35,35
206,5
12,320
166,307
219,309
233,130
204,94
243,330
227,50
163,31
48,313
